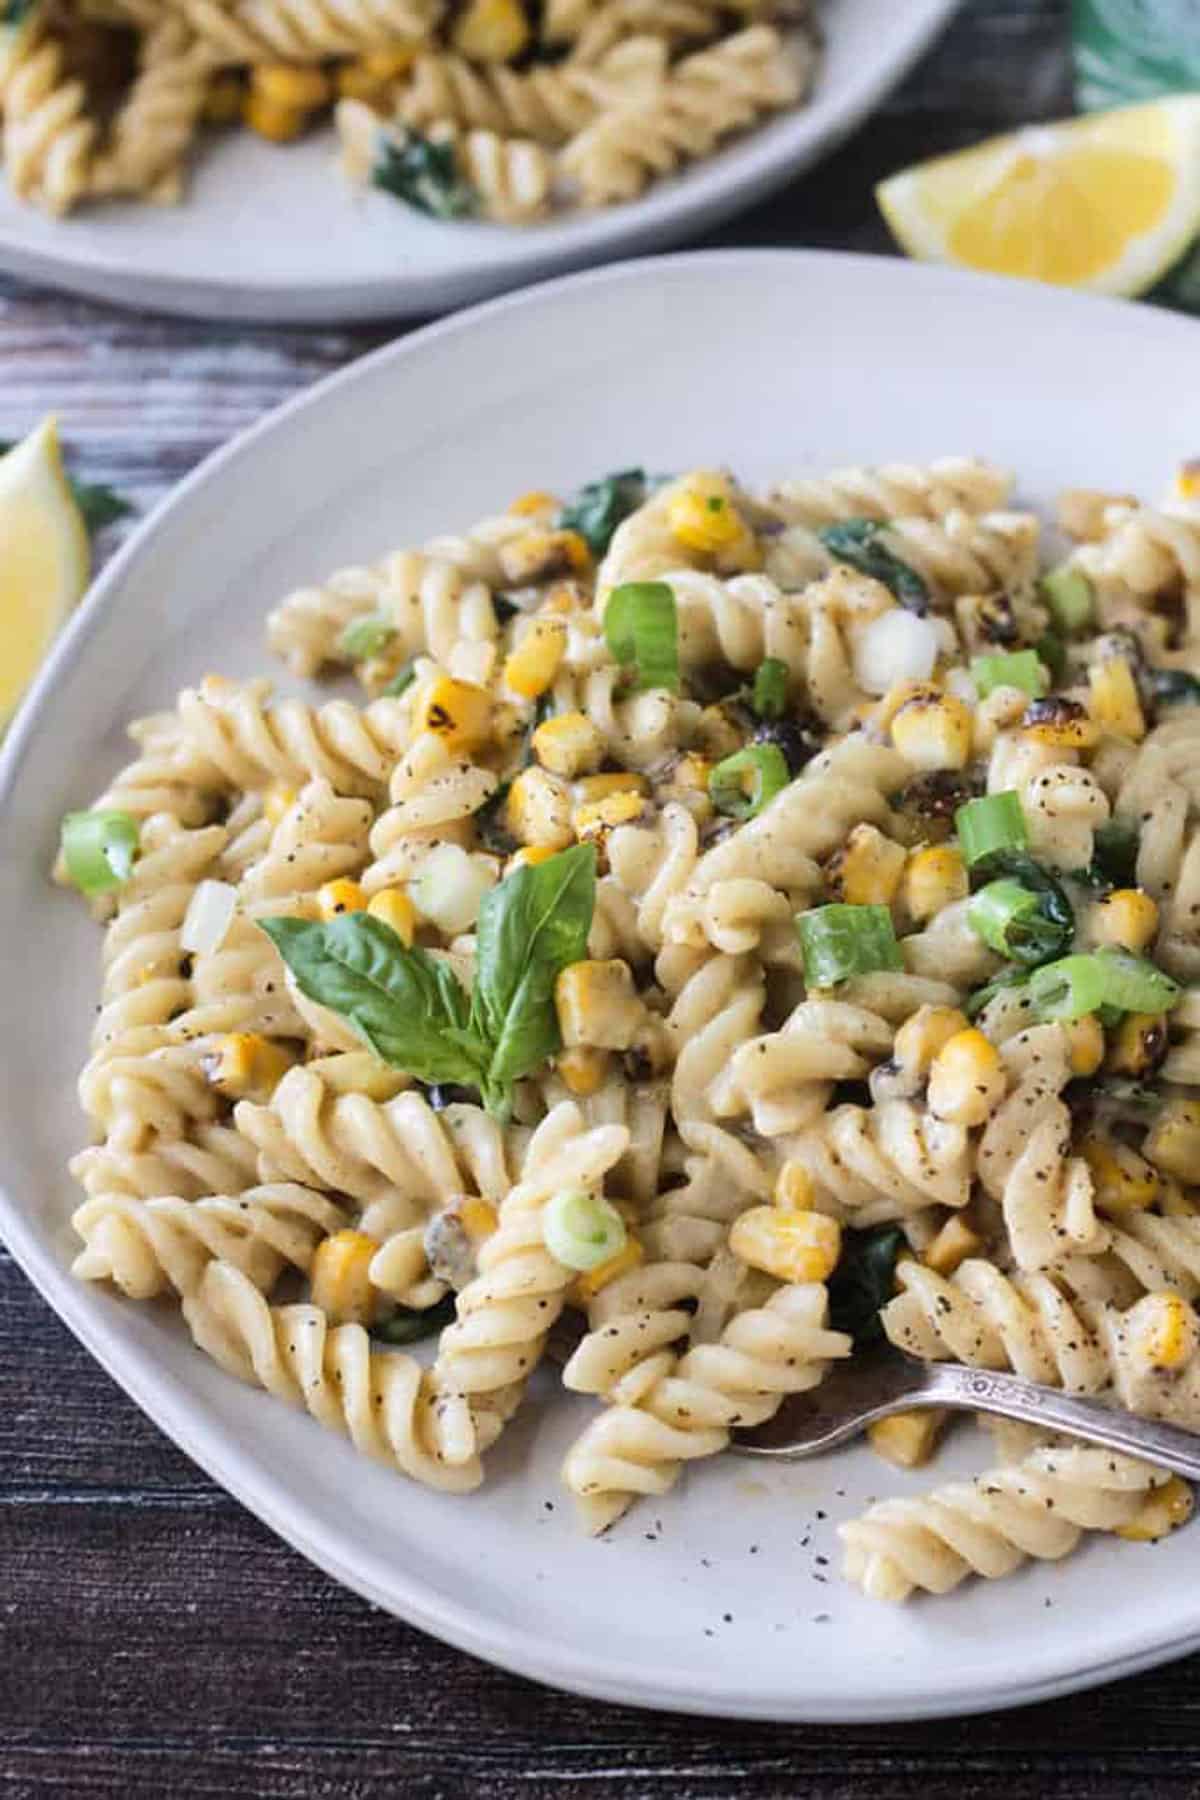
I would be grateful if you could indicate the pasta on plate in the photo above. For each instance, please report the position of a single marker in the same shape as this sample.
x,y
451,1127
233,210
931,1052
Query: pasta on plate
x,y
727,928
493,109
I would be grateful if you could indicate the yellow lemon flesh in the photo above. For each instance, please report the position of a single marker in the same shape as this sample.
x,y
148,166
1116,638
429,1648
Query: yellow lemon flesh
x,y
44,558
1107,202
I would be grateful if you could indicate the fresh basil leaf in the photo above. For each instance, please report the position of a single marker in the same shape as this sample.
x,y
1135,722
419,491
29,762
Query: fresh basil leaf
x,y
531,927
424,175
857,542
864,1281
641,627
599,507
408,1006
99,505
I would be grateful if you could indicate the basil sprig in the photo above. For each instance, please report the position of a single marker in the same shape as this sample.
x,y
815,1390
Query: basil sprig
x,y
858,542
599,507
864,1281
424,174
411,1008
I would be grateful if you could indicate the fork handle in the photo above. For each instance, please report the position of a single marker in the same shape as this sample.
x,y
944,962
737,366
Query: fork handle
x,y
981,1390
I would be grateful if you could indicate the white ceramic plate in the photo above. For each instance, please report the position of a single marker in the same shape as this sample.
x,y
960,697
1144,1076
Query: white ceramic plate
x,y
771,361
276,234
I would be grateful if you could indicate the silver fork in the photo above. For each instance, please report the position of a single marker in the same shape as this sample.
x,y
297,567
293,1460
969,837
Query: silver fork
x,y
875,1383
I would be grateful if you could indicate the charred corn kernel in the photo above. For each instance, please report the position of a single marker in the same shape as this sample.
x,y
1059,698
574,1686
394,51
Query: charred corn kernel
x,y
568,745
394,907
1123,1180
223,101
704,518
616,781
527,857
1085,1044
1161,1330
543,555
478,1217
340,1279
491,30
538,810
933,878
866,870
284,84
586,1286
1173,1142
922,1036
247,1066
1127,918
1138,1045
794,1187
535,662
1114,702
537,500
785,1242
278,124
933,731
456,711
597,1005
583,1070
953,1244
1162,1512
598,817
1060,724
966,1079
907,1439
277,801
340,897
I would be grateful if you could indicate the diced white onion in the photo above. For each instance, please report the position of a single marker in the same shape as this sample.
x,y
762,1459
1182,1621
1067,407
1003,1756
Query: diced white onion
x,y
449,886
897,646
208,917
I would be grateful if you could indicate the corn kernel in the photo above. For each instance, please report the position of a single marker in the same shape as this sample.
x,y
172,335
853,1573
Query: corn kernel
x,y
527,857
692,772
1123,1181
568,745
1162,1330
223,101
340,1281
246,1066
278,124
537,500
953,1244
934,877
283,84
596,819
392,63
491,30
932,730
1114,699
544,555
717,733
478,1217
532,666
922,1036
794,1187
277,801
458,712
1061,724
1173,1142
789,1244
538,810
907,1439
597,1005
967,1079
583,1070
630,1256
704,519
1127,918
340,896
1138,1046
394,907
616,781
1162,1512
1085,1044
866,870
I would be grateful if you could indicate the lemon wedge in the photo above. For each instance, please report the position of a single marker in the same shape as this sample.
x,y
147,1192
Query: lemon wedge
x,y
1106,202
45,560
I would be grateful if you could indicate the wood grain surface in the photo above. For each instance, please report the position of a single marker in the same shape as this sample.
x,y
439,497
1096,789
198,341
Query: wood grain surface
x,y
155,1640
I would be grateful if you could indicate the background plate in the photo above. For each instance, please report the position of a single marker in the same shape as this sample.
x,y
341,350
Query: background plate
x,y
731,1604
275,233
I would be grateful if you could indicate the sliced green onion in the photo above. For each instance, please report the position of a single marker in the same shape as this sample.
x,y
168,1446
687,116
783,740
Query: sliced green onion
x,y
1007,980
409,1324
1115,852
1069,988
641,627
581,1231
99,849
840,941
402,680
993,823
1135,984
768,699
366,637
1015,669
1068,594
1012,921
1108,982
1053,652
745,782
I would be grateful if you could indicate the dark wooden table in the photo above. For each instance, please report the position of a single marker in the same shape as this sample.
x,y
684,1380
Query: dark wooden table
x,y
155,1639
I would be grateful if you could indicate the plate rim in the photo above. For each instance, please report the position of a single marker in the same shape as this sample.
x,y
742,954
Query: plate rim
x,y
86,1315
744,172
